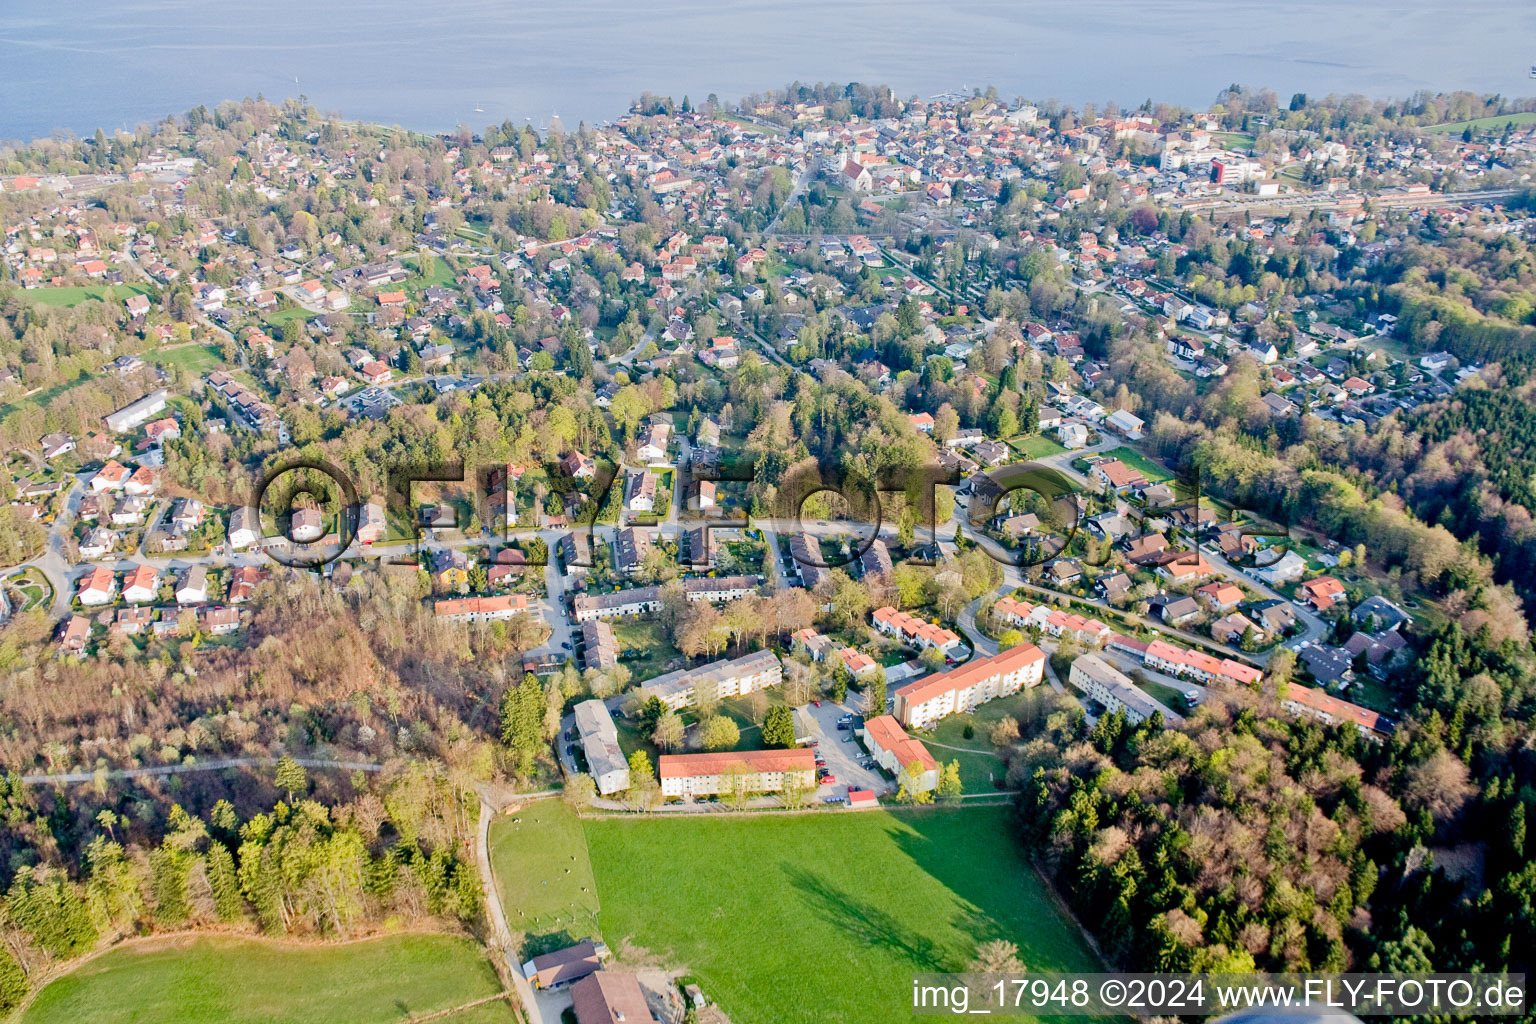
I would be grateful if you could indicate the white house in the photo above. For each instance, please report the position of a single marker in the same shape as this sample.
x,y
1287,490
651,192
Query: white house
x,y
244,527
1073,435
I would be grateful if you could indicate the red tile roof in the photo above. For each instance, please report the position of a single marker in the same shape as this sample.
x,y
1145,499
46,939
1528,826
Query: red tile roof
x,y
887,734
686,766
969,674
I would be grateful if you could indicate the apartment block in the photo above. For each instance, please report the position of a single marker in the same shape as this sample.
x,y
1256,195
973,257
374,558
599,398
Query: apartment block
x,y
719,679
895,751
1104,684
600,743
759,771
974,683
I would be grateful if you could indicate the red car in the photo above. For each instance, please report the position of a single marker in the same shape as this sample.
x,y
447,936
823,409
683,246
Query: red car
x,y
829,780
816,702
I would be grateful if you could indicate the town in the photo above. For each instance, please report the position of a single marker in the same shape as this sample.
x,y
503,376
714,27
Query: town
x,y
542,456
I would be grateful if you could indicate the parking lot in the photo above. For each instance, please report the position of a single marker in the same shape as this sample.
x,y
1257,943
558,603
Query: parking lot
x,y
842,752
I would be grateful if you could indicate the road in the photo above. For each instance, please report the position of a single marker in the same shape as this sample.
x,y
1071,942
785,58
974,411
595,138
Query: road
x,y
801,181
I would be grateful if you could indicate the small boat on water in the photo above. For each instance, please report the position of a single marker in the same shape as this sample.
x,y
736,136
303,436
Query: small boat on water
x,y
1533,70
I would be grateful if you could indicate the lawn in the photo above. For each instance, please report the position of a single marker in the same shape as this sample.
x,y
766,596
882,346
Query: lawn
x,y
1491,125
824,917
1037,447
279,317
1170,698
644,647
1153,471
191,358
981,764
73,295
539,855
1234,140
441,276
208,980
34,588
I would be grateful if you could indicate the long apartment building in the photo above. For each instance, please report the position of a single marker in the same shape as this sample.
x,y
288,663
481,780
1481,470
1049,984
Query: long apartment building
x,y
976,682
1106,685
486,609
640,600
600,744
807,560
759,771
719,680
1302,700
895,751
599,647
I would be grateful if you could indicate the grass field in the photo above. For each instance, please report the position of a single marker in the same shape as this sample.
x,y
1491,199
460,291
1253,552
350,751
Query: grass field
x,y
539,855
644,646
1172,699
1036,447
813,918
73,295
278,317
1154,472
1492,125
978,767
441,276
208,980
191,358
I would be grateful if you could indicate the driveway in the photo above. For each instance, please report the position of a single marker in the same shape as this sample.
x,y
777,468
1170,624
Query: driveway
x,y
842,752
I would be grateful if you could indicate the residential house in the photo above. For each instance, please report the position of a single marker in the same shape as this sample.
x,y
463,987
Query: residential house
x,y
1310,703
610,997
96,587
244,527
1322,593
1114,475
640,491
606,762
192,588
1285,569
306,525
141,584
1376,613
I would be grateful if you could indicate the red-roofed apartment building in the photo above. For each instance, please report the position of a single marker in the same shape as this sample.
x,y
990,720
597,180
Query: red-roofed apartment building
x,y
978,681
761,771
895,751
1301,700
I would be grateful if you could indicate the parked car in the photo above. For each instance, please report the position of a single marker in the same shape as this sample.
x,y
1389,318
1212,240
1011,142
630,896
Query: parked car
x,y
816,702
829,780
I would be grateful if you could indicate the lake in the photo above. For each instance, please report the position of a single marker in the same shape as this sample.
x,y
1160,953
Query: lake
x,y
429,66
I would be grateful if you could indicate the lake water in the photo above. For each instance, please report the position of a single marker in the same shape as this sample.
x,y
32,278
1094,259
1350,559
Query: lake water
x,y
75,66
